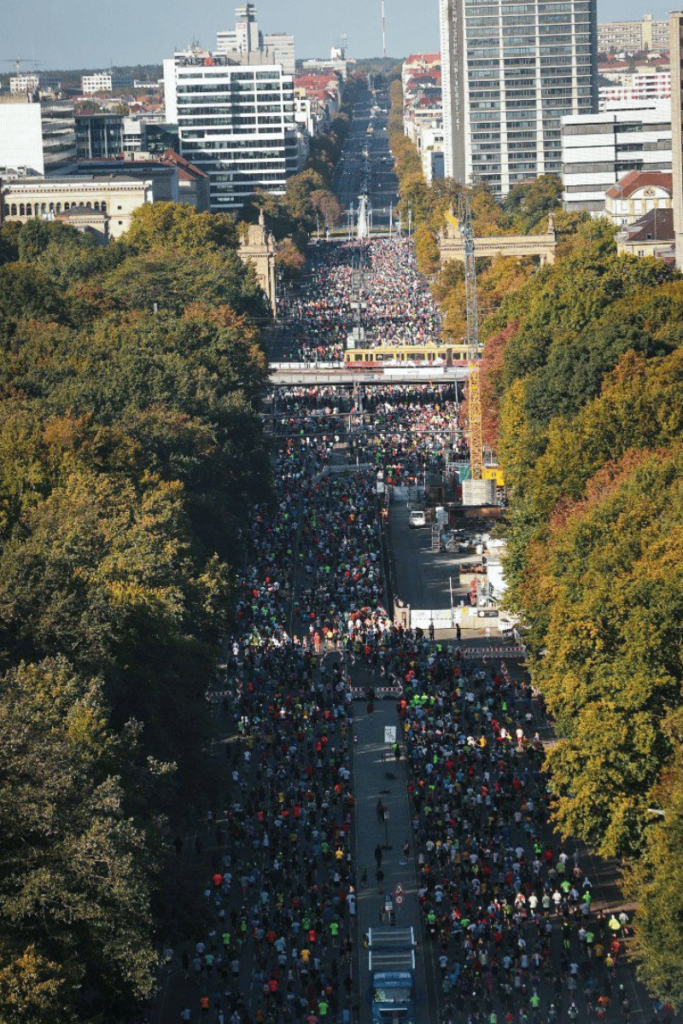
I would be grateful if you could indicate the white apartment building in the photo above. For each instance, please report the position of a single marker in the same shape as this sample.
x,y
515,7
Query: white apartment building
x,y
599,149
235,123
653,85
245,37
21,83
336,63
511,69
430,148
37,136
100,81
280,48
632,36
304,112
246,44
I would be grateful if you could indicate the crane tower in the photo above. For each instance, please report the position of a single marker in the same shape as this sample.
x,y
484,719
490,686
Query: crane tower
x,y
473,346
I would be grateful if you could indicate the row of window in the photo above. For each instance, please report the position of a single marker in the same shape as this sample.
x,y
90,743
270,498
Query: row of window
x,y
35,209
224,87
253,166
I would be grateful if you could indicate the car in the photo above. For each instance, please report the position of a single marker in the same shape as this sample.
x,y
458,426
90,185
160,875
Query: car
x,y
416,519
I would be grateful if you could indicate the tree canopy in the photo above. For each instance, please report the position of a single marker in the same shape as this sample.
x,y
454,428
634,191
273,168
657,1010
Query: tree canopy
x,y
581,379
131,453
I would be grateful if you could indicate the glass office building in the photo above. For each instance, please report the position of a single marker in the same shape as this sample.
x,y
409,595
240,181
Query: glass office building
x,y
235,123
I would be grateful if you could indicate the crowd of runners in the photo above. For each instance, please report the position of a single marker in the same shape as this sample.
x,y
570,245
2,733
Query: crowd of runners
x,y
380,276
507,911
282,889
508,915
405,432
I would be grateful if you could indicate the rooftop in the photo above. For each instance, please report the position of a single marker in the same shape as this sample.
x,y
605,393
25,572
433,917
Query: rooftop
x,y
635,180
654,226
76,179
423,58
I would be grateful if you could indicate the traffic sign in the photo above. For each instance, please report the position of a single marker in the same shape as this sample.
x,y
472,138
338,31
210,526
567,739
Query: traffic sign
x,y
389,733
398,900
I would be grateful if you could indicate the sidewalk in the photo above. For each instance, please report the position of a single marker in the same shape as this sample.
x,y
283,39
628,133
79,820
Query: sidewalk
x,y
378,775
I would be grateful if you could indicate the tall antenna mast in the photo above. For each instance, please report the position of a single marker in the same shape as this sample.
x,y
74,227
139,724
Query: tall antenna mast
x,y
384,34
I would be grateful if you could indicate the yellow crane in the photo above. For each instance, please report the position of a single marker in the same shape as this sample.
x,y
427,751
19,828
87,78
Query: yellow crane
x,y
473,346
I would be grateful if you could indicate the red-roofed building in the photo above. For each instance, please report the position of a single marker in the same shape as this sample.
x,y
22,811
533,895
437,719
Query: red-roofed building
x,y
193,184
651,235
636,194
420,63
317,98
423,110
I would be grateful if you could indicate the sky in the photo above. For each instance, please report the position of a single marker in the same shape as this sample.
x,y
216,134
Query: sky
x,y
62,34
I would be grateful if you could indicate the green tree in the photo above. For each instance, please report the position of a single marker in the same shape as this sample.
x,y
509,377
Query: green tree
x,y
530,202
178,226
655,882
32,990
77,871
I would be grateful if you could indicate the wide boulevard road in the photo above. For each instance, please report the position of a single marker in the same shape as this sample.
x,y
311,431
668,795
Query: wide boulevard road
x,y
367,164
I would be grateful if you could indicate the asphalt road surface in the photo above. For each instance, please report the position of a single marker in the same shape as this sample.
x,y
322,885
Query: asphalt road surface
x,y
367,164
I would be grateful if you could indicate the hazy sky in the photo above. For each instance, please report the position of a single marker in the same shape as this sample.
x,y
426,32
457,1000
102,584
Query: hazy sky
x,y
97,33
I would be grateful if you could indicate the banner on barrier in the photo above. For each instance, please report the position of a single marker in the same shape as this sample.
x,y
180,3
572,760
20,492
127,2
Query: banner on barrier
x,y
442,618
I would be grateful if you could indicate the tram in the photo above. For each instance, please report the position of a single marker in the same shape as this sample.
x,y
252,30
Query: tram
x,y
406,355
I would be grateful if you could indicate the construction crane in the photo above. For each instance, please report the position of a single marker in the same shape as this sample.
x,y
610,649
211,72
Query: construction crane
x,y
473,346
18,61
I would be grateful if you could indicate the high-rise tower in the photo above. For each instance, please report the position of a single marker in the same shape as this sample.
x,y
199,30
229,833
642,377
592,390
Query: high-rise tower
x,y
510,70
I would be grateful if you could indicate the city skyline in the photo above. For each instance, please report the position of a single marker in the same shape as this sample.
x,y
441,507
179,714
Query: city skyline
x,y
64,34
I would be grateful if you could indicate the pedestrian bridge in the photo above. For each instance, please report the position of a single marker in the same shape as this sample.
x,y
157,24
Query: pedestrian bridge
x,y
310,374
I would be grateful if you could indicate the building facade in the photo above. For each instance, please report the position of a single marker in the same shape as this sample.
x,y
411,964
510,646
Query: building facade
x,y
511,69
653,85
280,48
36,136
99,81
599,149
21,83
235,123
652,235
636,194
99,135
633,36
676,59
245,37
117,198
430,148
